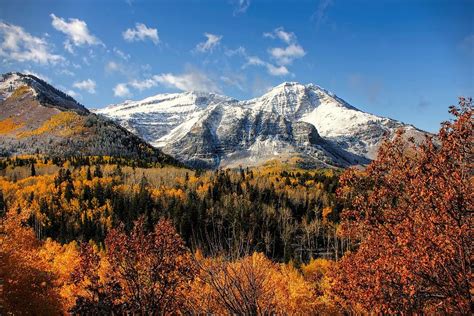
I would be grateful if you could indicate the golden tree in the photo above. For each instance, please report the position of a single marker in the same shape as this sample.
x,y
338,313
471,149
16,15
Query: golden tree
x,y
28,285
252,285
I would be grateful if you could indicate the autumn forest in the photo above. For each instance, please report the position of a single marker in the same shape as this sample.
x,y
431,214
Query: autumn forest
x,y
107,235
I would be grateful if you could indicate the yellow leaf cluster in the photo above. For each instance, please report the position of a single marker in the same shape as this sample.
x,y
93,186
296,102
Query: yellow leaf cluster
x,y
64,124
8,125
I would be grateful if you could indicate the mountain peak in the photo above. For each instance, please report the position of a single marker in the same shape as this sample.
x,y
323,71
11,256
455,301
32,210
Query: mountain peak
x,y
288,84
45,93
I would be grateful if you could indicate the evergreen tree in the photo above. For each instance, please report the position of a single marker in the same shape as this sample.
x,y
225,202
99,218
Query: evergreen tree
x,y
33,170
89,175
98,172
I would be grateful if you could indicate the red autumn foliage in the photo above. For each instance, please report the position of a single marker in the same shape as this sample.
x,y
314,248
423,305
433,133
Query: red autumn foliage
x,y
140,272
411,211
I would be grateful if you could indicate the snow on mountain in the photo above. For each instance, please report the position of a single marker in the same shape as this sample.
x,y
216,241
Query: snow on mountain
x,y
160,116
209,130
43,92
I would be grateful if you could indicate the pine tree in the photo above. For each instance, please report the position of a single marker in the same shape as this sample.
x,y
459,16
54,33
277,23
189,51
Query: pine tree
x,y
98,172
89,175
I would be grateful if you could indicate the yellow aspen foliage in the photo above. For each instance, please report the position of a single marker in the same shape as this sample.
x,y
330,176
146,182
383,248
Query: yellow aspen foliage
x,y
64,123
20,91
62,261
252,285
326,212
8,125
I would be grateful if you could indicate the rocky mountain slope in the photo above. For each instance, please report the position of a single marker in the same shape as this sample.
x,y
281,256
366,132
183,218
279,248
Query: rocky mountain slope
x,y
35,117
290,120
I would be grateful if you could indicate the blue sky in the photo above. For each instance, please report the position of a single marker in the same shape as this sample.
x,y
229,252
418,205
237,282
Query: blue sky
x,y
408,60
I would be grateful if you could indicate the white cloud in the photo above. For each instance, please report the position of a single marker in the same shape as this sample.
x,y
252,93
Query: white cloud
x,y
211,42
277,70
19,45
72,93
86,85
143,84
271,69
140,33
192,80
287,37
121,90
76,31
286,55
241,6
112,66
254,61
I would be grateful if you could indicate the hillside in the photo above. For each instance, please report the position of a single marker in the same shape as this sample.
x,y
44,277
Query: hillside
x,y
37,118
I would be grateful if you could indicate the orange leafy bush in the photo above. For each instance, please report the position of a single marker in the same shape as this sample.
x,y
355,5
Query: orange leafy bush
x,y
411,211
28,286
138,273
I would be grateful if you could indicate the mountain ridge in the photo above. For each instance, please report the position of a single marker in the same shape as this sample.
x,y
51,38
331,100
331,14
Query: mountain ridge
x,y
210,130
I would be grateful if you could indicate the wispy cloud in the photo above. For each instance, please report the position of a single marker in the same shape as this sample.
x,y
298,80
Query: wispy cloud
x,y
73,93
271,69
141,33
38,75
113,66
211,42
70,92
287,37
277,70
65,72
86,85
143,84
121,54
239,51
320,15
191,80
77,32
370,88
19,45
234,80
240,6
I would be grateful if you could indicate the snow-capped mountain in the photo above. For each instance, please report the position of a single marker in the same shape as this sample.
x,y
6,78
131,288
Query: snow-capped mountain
x,y
209,130
43,92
